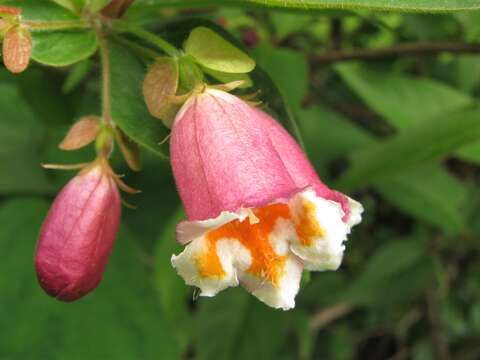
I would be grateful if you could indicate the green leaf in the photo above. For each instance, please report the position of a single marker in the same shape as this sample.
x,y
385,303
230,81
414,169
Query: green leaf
x,y
243,328
61,48
57,48
395,273
310,5
72,5
289,70
214,52
40,90
43,10
405,100
76,75
97,5
470,153
128,106
329,135
427,141
288,23
20,137
429,194
120,320
171,289
401,99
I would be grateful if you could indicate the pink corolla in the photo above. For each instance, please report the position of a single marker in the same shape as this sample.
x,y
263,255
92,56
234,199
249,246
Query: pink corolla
x,y
78,234
257,212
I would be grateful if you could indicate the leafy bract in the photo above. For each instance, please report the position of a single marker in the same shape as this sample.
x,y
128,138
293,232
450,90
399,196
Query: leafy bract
x,y
211,50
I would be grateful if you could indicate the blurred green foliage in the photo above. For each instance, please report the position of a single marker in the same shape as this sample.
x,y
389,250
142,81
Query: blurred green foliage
x,y
400,132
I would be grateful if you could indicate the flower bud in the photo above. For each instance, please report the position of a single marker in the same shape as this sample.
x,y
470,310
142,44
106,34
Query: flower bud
x,y
17,49
78,234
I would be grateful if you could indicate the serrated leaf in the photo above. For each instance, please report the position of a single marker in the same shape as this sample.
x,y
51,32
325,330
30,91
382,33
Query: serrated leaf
x,y
128,106
61,48
93,328
214,52
427,141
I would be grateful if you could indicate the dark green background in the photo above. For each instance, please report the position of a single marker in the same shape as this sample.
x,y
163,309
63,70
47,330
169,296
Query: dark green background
x,y
396,133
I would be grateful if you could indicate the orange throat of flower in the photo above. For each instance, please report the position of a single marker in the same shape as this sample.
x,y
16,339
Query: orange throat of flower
x,y
265,262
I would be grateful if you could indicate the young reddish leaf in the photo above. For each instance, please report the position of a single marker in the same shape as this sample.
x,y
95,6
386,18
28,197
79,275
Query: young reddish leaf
x,y
129,149
17,49
82,133
159,88
9,10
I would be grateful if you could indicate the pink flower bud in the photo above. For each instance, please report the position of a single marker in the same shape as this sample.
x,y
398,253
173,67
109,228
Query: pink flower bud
x,y
78,234
258,213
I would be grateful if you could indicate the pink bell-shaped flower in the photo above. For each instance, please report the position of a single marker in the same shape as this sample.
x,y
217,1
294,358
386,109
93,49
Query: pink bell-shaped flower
x,y
257,212
78,234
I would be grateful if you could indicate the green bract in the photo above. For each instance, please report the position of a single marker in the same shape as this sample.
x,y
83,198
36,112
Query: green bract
x,y
214,52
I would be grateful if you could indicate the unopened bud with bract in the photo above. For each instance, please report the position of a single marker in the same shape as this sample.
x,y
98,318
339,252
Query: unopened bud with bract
x,y
78,234
17,49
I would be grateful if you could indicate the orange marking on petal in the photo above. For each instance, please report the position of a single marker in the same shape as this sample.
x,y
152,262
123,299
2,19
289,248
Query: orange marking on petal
x,y
266,263
308,227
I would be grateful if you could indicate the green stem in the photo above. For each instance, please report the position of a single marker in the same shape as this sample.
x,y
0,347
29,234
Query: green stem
x,y
55,25
152,38
105,60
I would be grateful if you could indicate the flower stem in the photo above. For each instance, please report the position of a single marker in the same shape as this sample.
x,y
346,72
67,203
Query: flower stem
x,y
55,25
106,96
152,38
